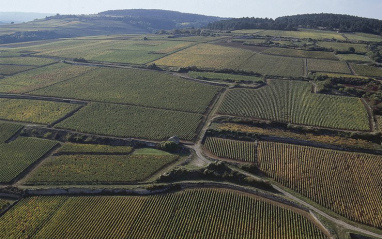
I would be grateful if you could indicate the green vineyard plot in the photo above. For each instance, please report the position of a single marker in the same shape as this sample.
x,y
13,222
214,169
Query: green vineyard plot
x,y
293,102
138,87
13,69
98,169
354,58
135,51
17,155
26,61
7,130
274,65
41,77
232,149
300,53
133,121
365,70
207,56
328,66
202,213
34,111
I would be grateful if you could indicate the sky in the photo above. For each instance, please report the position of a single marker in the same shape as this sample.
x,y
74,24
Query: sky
x,y
221,8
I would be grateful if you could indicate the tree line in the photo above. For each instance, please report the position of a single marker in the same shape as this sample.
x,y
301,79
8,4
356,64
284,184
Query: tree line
x,y
328,21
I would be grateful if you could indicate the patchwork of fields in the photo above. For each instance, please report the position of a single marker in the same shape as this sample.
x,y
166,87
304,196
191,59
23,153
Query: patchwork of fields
x,y
293,102
345,182
133,121
103,121
136,51
135,87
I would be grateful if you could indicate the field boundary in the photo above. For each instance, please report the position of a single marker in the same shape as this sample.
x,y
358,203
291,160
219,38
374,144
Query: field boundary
x,y
66,116
100,183
302,142
372,123
32,166
318,127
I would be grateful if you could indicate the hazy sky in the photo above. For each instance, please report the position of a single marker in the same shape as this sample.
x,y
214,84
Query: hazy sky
x,y
223,8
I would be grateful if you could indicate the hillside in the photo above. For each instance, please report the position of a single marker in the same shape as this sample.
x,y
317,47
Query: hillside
x,y
105,23
328,21
162,19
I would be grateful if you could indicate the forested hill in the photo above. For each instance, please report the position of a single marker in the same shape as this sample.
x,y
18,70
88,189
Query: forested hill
x,y
345,23
161,19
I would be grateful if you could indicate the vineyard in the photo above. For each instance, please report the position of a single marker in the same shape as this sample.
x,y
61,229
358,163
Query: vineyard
x,y
232,149
142,53
347,183
26,61
365,70
133,121
34,111
41,77
7,130
207,56
354,58
27,217
98,169
134,51
9,53
328,66
136,87
12,69
379,122
170,135
337,46
363,37
202,213
281,133
71,148
300,53
293,102
17,155
266,65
